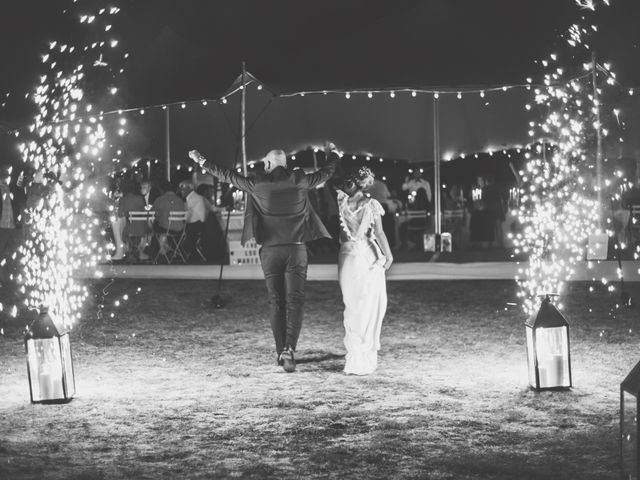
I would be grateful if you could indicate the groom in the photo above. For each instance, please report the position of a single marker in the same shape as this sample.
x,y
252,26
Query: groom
x,y
281,219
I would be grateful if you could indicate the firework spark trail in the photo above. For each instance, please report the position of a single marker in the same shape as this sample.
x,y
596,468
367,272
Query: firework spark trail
x,y
66,146
559,209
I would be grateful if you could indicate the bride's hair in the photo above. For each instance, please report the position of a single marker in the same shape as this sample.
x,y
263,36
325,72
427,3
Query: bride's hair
x,y
362,178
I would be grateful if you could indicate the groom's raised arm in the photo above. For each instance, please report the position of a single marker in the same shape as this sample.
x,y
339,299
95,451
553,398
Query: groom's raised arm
x,y
224,174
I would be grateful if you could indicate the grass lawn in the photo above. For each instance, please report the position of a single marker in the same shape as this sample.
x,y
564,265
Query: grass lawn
x,y
167,389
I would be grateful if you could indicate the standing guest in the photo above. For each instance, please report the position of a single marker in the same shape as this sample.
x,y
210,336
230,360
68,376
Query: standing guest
x,y
453,216
213,241
196,216
487,214
168,201
118,221
9,214
365,255
496,210
418,199
481,233
380,192
418,191
453,199
496,205
330,217
280,218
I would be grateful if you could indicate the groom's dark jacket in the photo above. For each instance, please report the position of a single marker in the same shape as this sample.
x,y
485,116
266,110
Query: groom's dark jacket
x,y
278,210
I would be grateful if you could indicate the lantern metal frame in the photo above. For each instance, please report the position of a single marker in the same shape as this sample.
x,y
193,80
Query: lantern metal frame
x,y
46,327
547,316
630,385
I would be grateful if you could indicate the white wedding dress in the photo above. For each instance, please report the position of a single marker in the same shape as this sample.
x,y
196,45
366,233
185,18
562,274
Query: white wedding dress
x,y
362,281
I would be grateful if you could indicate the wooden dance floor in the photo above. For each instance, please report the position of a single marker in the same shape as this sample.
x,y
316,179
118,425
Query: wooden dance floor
x,y
398,271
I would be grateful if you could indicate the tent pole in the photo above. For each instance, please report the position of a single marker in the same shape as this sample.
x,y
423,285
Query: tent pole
x,y
436,170
243,106
167,139
599,140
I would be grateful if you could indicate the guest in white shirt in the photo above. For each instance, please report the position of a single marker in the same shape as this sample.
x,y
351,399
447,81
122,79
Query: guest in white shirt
x,y
149,193
196,215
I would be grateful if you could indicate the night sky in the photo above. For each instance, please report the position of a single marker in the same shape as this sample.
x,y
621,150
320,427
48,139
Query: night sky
x,y
191,49
188,49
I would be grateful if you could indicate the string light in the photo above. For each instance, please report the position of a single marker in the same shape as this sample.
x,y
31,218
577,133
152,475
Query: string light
x,y
370,93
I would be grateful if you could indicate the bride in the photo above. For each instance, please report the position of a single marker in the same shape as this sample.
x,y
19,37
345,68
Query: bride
x,y
364,257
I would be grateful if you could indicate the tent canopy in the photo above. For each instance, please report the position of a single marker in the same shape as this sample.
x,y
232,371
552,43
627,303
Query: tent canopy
x,y
398,127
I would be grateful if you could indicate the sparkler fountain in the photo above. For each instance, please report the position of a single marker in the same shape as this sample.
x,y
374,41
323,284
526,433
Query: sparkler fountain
x,y
563,181
67,147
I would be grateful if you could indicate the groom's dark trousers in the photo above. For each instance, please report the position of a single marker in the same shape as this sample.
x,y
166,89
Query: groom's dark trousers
x,y
285,272
280,217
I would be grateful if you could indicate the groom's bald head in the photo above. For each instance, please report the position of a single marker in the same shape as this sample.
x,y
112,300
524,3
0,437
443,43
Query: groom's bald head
x,y
273,159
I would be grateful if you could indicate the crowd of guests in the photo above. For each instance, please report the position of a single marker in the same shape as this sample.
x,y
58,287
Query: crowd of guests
x,y
476,215
198,231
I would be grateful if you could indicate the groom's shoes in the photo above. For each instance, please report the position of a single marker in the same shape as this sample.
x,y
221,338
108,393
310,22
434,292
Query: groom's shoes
x,y
287,360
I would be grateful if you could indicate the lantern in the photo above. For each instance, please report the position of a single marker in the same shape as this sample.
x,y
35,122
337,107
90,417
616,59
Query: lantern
x,y
49,364
629,409
548,348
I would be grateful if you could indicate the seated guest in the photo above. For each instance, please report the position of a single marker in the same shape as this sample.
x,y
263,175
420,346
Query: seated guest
x,y
621,215
149,193
213,242
168,201
196,215
130,202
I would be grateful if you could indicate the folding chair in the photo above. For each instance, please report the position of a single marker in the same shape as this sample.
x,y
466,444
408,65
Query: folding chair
x,y
417,223
175,234
140,227
199,249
